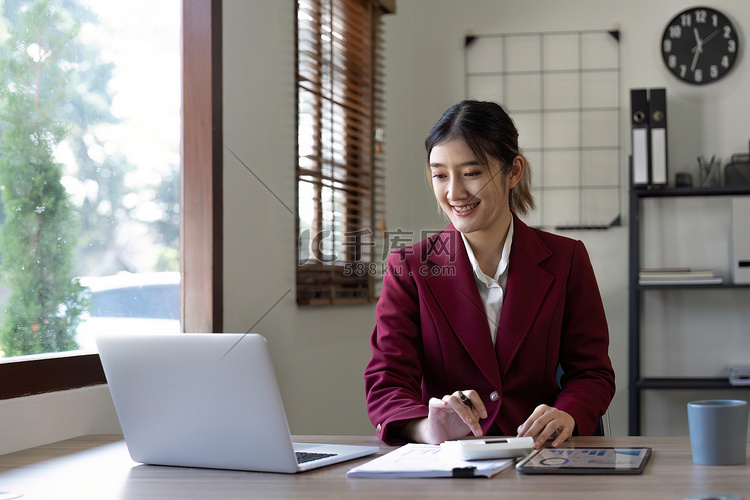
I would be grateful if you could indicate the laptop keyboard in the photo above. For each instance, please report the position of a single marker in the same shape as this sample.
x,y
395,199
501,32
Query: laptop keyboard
x,y
303,456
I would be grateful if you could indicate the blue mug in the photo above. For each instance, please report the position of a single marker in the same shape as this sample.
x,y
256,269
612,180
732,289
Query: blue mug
x,y
718,431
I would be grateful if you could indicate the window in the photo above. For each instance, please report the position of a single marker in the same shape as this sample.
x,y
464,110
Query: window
x,y
201,175
340,143
90,150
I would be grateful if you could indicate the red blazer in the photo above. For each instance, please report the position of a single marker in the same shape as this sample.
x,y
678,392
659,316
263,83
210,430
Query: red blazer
x,y
432,338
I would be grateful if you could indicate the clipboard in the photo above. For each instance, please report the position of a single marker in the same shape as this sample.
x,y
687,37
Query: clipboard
x,y
415,460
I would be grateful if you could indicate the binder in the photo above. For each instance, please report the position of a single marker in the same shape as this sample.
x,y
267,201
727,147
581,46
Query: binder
x,y
640,127
658,123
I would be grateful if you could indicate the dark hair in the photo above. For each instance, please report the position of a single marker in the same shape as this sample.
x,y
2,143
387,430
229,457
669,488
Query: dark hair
x,y
490,134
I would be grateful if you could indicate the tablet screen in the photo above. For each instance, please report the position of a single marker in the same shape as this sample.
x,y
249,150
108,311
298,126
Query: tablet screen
x,y
589,460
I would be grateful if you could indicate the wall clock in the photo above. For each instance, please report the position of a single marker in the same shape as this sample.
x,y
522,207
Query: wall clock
x,y
700,45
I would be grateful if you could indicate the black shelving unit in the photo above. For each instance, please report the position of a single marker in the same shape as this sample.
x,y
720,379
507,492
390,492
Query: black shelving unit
x,y
637,383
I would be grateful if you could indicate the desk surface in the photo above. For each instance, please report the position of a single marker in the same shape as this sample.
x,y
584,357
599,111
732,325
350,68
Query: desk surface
x,y
99,467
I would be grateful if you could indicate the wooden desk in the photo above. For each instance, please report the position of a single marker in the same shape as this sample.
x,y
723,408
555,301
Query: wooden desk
x,y
99,467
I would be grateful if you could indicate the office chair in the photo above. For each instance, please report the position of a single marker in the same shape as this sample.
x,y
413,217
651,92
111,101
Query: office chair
x,y
602,426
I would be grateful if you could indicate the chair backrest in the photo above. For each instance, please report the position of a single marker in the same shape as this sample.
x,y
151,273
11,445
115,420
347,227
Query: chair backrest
x,y
602,426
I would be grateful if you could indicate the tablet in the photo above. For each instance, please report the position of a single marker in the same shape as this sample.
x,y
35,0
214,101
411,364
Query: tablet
x,y
588,460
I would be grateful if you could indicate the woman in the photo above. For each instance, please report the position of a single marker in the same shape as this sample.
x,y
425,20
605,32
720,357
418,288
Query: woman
x,y
474,323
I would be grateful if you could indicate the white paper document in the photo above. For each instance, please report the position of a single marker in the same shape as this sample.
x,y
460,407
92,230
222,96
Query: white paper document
x,y
425,460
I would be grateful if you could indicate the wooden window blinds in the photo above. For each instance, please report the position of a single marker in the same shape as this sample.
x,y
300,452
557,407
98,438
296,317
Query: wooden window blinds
x,y
340,198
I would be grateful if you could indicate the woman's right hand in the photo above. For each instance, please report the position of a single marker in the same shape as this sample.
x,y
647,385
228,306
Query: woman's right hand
x,y
448,419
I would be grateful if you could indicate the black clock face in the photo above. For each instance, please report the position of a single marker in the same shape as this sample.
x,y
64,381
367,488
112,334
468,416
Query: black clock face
x,y
699,45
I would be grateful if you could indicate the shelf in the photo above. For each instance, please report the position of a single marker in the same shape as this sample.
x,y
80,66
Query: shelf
x,y
637,383
687,383
678,192
692,287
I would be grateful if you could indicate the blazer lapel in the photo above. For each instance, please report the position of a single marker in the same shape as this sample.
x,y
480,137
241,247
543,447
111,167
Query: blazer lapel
x,y
452,284
524,292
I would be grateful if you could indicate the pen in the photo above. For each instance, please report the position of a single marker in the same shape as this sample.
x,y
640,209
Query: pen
x,y
464,400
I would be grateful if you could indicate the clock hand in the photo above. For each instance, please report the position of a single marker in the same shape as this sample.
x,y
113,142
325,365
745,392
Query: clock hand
x,y
697,49
695,61
709,37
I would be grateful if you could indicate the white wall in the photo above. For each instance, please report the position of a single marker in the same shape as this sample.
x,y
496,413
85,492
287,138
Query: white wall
x,y
47,418
424,64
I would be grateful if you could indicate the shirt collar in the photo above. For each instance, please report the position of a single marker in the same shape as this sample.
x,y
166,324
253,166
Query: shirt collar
x,y
504,258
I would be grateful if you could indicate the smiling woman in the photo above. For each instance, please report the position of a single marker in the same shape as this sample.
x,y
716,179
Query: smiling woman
x,y
474,321
474,197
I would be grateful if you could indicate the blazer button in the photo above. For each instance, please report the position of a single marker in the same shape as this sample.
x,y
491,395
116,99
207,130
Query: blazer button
x,y
379,428
494,396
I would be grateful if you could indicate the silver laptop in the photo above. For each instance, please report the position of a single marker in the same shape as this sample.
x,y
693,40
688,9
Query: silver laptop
x,y
206,400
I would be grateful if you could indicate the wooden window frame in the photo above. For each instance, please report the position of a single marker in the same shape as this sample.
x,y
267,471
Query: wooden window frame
x,y
201,228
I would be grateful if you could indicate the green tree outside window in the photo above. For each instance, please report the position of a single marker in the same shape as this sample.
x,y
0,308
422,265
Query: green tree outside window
x,y
53,89
37,238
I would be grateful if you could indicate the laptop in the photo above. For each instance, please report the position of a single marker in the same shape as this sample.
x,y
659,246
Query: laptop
x,y
206,400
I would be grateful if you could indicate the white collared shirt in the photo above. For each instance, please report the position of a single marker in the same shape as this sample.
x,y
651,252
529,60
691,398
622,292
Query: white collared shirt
x,y
492,290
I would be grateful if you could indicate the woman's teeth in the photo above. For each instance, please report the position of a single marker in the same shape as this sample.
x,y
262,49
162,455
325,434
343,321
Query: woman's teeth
x,y
465,208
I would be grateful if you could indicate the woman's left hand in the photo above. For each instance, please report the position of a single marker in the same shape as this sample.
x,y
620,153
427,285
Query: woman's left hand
x,y
545,422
